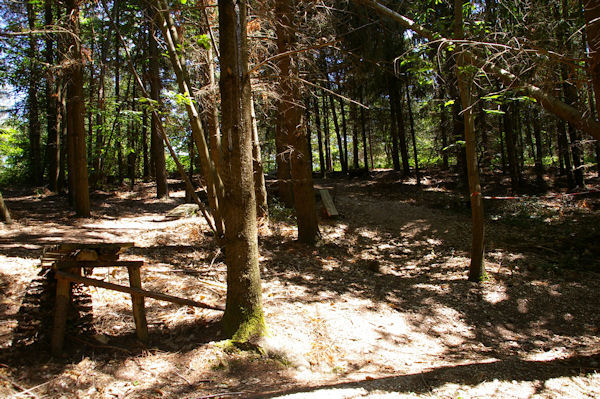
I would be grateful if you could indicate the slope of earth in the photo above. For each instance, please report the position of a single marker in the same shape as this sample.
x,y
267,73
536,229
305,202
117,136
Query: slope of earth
x,y
380,308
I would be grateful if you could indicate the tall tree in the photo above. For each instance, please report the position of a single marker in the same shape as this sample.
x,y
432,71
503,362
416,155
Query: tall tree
x,y
243,318
293,125
157,148
75,116
35,154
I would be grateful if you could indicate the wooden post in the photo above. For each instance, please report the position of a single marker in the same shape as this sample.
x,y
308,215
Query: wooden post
x,y
63,297
139,312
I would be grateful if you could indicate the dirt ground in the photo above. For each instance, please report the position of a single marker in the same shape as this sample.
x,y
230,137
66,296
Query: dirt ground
x,y
380,308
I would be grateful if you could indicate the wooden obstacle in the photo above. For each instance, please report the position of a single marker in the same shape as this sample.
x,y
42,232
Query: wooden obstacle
x,y
328,205
70,259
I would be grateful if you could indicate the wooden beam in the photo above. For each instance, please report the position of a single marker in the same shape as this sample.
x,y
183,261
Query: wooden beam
x,y
328,203
129,290
70,263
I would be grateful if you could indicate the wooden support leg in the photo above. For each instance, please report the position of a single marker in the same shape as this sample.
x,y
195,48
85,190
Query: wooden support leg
x,y
63,297
139,312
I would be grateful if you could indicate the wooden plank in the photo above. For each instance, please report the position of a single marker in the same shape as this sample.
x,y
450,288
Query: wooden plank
x,y
137,302
128,290
328,203
66,247
69,263
63,297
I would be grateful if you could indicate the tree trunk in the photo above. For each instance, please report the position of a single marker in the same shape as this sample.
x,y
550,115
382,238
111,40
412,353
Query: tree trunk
x,y
35,155
393,92
344,133
363,127
539,156
294,127
146,172
75,117
4,211
338,135
328,160
511,149
157,147
443,127
412,133
319,138
52,107
260,187
476,268
243,318
354,121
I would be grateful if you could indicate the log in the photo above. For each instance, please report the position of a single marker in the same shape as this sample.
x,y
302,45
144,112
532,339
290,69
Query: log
x,y
129,290
137,302
63,298
70,263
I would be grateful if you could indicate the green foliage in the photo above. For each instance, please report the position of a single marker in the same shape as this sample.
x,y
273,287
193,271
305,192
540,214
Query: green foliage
x,y
13,145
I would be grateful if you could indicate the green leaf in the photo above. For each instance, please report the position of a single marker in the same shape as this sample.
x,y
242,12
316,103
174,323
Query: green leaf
x,y
494,111
449,103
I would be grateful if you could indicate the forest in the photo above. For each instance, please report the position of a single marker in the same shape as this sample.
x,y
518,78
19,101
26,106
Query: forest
x,y
299,199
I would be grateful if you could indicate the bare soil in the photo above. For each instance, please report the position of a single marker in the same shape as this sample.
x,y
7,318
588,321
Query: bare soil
x,y
381,308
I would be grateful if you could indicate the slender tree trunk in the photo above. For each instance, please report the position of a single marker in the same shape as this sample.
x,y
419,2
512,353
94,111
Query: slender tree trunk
x,y
146,171
322,167
476,268
75,115
243,318
511,150
157,147
4,213
354,121
35,154
539,156
328,160
260,187
412,133
338,134
52,107
344,133
443,127
363,126
394,128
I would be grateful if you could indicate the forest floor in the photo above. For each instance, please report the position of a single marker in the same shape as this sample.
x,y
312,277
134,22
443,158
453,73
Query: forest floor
x,y
381,308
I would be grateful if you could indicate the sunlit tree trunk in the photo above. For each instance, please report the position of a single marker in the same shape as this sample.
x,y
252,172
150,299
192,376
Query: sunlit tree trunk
x,y
157,147
293,125
243,319
476,268
35,155
52,106
75,117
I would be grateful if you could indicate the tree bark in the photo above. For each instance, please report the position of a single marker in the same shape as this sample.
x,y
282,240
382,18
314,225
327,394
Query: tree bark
x,y
52,107
35,155
293,125
75,117
322,167
157,148
260,187
412,133
363,128
476,268
338,135
4,211
243,319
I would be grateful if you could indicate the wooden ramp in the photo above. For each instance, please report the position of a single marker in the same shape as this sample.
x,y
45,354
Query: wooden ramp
x,y
328,205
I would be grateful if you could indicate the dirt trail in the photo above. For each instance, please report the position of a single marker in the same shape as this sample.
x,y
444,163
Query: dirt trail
x,y
380,309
